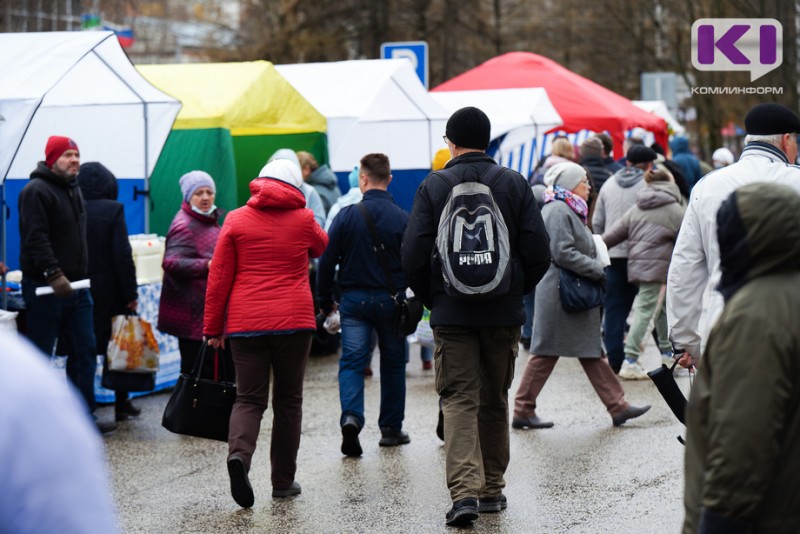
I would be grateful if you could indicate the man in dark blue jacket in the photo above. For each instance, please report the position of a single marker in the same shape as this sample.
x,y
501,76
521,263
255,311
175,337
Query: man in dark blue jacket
x,y
366,304
476,340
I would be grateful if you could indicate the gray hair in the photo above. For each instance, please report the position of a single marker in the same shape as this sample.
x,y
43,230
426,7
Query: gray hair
x,y
772,139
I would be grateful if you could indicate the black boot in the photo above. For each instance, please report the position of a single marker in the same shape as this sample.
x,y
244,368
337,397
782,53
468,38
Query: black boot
x,y
124,409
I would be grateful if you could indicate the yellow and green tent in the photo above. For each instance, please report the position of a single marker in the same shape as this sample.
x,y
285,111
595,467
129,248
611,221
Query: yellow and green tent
x,y
234,116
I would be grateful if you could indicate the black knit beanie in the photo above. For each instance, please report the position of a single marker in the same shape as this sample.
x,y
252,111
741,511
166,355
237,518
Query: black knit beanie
x,y
469,128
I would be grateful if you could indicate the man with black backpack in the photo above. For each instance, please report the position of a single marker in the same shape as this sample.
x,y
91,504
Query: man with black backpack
x,y
474,245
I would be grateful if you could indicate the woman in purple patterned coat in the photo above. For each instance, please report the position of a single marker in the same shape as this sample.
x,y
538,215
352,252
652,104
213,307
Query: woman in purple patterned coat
x,y
190,244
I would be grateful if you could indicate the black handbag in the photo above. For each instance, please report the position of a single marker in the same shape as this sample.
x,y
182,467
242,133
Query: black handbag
x,y
579,293
201,407
407,312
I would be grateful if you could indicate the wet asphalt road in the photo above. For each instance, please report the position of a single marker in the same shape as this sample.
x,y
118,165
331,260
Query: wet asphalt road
x,y
581,476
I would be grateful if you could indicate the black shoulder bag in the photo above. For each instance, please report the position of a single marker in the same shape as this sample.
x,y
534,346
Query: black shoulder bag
x,y
407,312
578,293
201,407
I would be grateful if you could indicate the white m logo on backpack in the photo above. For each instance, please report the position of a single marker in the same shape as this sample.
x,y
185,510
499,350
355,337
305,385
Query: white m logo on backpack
x,y
472,242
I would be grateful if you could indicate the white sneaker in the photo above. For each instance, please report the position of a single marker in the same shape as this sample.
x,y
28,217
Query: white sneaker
x,y
632,371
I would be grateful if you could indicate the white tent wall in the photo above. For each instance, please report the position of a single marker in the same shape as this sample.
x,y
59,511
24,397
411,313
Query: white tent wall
x,y
82,85
374,106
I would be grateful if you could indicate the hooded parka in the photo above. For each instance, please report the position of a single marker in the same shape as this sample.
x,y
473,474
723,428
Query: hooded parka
x,y
743,418
111,268
650,227
259,273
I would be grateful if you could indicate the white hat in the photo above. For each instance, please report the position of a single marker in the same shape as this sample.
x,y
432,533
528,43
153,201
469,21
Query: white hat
x,y
566,174
723,155
285,153
283,170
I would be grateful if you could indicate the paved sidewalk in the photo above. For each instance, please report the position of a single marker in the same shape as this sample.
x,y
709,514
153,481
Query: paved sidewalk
x,y
581,476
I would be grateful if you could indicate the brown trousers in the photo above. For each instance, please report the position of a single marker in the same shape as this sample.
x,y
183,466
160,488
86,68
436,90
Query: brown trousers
x,y
538,370
254,357
474,369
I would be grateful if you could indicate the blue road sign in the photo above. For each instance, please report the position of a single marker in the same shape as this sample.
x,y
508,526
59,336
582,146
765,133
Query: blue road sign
x,y
415,51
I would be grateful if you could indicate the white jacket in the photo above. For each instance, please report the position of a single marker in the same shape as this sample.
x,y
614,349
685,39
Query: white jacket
x,y
694,270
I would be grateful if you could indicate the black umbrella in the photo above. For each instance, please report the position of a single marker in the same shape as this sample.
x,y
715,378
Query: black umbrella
x,y
665,382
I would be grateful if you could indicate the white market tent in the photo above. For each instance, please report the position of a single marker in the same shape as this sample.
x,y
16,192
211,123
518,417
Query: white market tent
x,y
376,105
517,115
659,107
81,85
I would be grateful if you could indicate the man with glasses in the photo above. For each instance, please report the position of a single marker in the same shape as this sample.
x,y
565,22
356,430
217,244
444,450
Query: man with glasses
x,y
768,156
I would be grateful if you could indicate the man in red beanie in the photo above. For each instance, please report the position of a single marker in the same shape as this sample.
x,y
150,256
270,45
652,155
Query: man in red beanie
x,y
53,252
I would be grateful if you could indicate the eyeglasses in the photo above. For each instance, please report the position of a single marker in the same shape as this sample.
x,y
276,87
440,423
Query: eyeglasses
x,y
445,139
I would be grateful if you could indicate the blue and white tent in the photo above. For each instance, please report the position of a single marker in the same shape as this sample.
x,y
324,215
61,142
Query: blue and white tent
x,y
81,85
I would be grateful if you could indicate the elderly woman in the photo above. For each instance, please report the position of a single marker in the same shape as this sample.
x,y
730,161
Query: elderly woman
x,y
190,244
259,297
556,332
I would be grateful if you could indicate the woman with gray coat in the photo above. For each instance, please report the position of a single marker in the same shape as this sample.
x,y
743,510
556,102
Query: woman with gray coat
x,y
556,332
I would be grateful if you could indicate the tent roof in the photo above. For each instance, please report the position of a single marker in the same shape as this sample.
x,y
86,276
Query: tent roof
x,y
247,98
79,84
582,104
372,105
371,90
519,114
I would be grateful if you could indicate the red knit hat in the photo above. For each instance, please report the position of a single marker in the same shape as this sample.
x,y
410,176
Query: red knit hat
x,y
56,146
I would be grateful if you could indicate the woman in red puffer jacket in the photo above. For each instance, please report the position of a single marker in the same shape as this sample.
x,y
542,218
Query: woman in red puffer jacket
x,y
259,298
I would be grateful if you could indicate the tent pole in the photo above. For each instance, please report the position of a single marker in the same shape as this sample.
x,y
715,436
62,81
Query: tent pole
x,y
146,168
3,242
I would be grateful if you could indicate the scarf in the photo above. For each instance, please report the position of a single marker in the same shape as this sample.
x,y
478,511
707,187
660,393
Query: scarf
x,y
575,203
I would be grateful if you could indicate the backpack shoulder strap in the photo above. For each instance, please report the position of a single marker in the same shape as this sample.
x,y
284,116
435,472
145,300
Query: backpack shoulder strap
x,y
448,176
490,175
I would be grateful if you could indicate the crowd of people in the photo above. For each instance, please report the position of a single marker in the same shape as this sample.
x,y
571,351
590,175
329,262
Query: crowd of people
x,y
477,242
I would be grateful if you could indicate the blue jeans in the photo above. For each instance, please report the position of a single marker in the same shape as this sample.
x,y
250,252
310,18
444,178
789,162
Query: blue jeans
x,y
363,311
616,308
50,317
425,353
528,301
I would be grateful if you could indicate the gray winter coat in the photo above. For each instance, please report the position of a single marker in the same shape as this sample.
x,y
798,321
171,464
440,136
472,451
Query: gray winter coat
x,y
650,227
617,196
556,332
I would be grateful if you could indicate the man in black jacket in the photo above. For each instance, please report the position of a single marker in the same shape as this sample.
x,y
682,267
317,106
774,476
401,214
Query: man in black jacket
x,y
53,252
476,340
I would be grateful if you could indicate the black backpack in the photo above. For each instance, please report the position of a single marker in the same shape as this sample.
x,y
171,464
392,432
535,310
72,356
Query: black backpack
x,y
472,243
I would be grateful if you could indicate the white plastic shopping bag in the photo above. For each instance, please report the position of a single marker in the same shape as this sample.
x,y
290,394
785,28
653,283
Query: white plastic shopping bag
x,y
133,346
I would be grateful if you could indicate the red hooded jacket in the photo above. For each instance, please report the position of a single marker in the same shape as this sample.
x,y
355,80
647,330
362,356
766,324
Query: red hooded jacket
x,y
259,273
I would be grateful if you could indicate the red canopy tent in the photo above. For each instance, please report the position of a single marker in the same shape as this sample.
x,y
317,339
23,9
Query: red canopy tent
x,y
582,104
